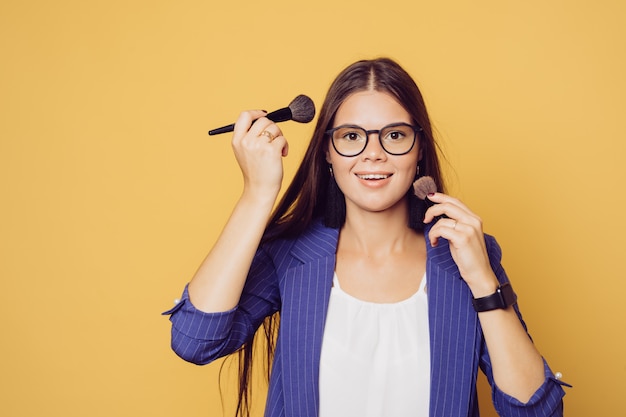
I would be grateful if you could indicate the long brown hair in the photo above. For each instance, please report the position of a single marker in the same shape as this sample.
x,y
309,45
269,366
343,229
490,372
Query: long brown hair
x,y
305,200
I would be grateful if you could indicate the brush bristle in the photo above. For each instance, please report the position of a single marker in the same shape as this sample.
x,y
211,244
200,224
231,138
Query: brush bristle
x,y
302,109
424,186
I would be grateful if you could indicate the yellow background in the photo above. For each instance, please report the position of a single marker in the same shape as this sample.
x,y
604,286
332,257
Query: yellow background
x,y
112,192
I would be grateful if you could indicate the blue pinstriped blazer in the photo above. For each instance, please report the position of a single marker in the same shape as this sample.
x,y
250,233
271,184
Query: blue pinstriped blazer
x,y
295,278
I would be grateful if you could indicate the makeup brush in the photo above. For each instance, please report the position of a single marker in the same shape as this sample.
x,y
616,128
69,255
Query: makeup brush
x,y
422,187
301,110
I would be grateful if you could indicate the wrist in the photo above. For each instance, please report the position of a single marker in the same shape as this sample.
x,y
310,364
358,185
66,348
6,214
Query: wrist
x,y
260,198
484,286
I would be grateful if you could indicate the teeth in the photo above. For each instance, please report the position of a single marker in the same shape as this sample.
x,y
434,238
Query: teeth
x,y
373,176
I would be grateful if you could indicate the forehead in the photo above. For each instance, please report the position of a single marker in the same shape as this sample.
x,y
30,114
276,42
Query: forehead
x,y
371,110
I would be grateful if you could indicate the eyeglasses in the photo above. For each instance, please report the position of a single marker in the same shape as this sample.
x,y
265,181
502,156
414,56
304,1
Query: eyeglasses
x,y
395,139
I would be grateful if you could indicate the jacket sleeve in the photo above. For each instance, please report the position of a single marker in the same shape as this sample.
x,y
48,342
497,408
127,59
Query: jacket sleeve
x,y
548,399
201,338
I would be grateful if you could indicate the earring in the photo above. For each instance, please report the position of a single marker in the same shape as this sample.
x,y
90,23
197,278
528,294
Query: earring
x,y
335,209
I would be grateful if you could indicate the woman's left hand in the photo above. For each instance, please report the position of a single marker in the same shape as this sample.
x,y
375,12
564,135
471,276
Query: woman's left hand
x,y
464,231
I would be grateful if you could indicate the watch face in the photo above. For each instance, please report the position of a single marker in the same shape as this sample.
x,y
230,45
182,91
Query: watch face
x,y
508,295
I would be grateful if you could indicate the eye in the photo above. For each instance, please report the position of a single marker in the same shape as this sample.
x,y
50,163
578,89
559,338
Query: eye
x,y
350,134
395,135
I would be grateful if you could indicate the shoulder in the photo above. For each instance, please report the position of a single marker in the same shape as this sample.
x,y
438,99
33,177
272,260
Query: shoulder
x,y
316,240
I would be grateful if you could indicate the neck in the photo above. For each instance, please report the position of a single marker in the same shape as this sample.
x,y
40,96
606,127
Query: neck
x,y
377,233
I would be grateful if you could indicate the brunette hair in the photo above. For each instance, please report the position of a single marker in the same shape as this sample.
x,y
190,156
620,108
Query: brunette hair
x,y
306,198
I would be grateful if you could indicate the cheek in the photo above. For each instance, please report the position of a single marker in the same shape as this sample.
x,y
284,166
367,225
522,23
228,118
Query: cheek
x,y
341,168
412,173
409,164
407,171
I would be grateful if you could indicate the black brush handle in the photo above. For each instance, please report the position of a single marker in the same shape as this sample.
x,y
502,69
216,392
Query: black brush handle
x,y
280,115
429,204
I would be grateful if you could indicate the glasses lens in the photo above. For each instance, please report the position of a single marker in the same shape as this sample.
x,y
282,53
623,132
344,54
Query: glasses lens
x,y
397,139
349,140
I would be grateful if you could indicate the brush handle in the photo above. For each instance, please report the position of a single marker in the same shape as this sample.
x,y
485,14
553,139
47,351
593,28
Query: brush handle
x,y
223,129
280,115
430,204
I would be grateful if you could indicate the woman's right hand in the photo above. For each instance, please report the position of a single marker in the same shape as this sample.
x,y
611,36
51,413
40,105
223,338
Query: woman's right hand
x,y
218,283
259,146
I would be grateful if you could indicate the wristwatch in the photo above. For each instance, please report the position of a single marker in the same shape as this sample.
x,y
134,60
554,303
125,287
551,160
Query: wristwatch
x,y
502,298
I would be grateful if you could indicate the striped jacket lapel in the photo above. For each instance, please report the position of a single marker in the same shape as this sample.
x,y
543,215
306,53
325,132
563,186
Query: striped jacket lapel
x,y
453,336
305,302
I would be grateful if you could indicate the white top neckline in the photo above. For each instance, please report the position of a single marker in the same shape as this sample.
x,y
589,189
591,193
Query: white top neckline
x,y
421,289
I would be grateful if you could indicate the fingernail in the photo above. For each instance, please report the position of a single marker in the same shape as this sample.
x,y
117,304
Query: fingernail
x,y
431,194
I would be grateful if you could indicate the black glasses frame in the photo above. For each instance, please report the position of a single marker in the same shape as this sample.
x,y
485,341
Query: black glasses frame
x,y
416,130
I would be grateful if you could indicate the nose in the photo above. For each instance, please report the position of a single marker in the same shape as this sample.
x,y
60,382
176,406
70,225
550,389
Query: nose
x,y
373,149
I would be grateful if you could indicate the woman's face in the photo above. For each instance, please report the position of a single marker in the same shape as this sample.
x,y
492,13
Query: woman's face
x,y
374,180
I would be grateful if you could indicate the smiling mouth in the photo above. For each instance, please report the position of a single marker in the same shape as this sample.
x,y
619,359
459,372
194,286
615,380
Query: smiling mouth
x,y
373,176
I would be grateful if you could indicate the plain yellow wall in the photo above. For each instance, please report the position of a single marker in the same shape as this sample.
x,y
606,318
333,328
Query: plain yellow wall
x,y
112,192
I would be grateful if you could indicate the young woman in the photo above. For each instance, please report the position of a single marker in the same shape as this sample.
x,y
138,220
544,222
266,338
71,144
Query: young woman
x,y
387,307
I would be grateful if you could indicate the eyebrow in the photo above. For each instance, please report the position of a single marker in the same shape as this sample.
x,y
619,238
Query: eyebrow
x,y
361,127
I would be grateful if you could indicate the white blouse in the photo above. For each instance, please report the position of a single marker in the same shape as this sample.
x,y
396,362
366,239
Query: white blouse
x,y
375,358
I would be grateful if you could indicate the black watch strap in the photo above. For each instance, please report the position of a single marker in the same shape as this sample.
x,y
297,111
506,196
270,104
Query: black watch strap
x,y
502,298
